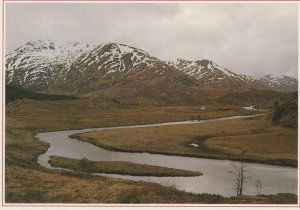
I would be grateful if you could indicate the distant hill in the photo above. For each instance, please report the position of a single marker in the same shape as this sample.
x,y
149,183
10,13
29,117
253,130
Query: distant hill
x,y
14,93
281,83
209,73
285,111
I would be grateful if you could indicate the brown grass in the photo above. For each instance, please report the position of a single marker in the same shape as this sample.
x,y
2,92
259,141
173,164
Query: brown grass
x,y
33,186
176,140
27,182
22,148
93,112
281,198
278,144
118,167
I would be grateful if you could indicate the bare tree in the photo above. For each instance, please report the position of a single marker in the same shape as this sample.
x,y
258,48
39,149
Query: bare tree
x,y
241,175
258,185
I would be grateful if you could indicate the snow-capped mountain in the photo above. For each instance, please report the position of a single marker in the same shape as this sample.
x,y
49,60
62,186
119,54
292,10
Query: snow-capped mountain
x,y
38,64
108,60
118,71
211,74
34,64
112,64
111,69
280,83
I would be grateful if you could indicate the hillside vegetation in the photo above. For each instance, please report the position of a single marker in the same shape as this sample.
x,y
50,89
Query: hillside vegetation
x,y
248,97
13,93
285,111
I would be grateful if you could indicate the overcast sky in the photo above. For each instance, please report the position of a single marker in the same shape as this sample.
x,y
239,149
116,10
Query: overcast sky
x,y
252,38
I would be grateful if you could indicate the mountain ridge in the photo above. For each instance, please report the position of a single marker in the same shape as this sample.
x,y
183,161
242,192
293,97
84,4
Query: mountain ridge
x,y
280,83
118,71
214,75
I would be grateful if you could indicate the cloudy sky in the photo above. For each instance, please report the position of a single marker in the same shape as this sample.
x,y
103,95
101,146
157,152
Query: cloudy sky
x,y
252,38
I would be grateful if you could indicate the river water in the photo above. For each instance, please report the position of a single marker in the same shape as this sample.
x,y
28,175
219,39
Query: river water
x,y
216,178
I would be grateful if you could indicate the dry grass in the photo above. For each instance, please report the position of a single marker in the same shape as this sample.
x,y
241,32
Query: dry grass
x,y
118,167
31,186
93,112
27,182
22,148
276,143
281,198
176,139
25,118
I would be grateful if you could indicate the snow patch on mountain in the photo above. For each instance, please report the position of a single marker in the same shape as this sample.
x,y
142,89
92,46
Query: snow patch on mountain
x,y
111,58
281,83
41,63
36,62
208,72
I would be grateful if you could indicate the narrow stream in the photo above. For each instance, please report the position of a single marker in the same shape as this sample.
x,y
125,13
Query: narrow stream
x,y
216,179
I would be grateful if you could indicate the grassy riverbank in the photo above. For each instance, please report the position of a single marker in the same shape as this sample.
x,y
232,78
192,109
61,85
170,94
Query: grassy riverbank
x,y
96,112
27,182
251,140
118,167
26,185
25,118
51,186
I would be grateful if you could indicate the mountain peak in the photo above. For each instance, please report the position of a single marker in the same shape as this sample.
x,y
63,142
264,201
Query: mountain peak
x,y
121,48
210,73
280,83
39,45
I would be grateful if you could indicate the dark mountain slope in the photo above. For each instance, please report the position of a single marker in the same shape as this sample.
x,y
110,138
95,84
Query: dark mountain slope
x,y
14,93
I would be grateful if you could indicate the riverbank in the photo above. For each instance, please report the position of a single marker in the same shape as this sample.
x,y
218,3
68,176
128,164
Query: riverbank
x,y
28,182
25,118
26,185
248,140
238,158
118,167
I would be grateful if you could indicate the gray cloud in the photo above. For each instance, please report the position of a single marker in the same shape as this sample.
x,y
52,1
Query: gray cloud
x,y
248,38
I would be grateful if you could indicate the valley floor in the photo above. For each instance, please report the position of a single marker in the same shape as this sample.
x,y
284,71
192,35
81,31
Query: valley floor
x,y
250,139
27,182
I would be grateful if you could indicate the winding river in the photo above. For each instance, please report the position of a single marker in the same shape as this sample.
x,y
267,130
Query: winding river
x,y
216,179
